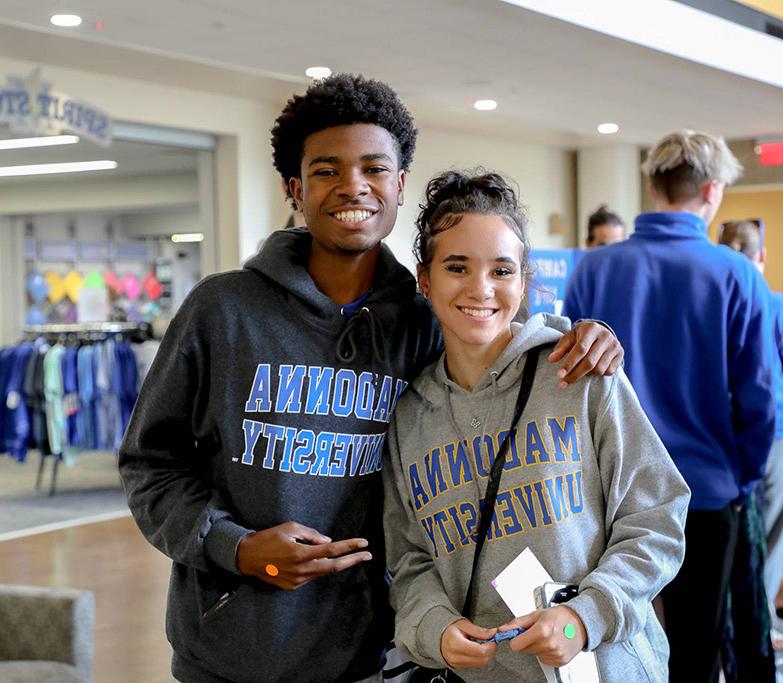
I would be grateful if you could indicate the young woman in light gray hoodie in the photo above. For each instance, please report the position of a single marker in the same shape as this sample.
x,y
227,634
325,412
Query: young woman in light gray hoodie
x,y
587,485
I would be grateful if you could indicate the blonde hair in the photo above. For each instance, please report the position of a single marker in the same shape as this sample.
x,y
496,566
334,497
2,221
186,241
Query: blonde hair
x,y
680,163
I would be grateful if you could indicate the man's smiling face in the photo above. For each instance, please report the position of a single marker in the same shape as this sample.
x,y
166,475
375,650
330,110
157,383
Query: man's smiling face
x,y
350,187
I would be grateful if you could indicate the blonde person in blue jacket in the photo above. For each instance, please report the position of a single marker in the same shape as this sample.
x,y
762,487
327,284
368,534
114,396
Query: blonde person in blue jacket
x,y
587,484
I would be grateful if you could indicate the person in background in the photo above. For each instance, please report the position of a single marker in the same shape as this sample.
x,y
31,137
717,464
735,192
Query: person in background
x,y
611,522
746,237
253,457
604,227
694,322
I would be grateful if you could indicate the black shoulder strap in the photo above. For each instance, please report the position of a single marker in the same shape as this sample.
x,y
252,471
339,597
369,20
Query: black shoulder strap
x,y
488,507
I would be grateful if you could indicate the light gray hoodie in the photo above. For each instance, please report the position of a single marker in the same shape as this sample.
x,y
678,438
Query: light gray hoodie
x,y
587,485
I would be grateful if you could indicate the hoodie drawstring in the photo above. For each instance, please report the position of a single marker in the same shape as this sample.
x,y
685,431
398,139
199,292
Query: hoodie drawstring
x,y
346,342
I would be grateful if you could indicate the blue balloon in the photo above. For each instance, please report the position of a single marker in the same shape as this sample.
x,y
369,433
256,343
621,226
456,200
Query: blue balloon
x,y
37,288
35,316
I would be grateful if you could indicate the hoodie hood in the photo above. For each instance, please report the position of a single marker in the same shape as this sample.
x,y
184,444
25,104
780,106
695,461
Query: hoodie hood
x,y
507,368
283,260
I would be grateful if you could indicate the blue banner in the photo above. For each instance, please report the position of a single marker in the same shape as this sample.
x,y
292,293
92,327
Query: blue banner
x,y
551,270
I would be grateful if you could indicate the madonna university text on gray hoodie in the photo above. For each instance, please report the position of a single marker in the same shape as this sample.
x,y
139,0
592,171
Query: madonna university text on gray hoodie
x,y
587,486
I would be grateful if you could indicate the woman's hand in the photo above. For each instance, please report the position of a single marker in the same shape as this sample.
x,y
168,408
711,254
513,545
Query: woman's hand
x,y
546,632
460,652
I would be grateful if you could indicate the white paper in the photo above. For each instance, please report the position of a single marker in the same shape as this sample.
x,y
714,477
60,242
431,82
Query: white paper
x,y
516,585
517,582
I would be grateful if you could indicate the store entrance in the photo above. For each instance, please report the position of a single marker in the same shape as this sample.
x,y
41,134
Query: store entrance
x,y
93,265
122,244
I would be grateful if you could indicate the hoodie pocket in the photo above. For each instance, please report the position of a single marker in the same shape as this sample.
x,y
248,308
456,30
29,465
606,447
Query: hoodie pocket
x,y
222,604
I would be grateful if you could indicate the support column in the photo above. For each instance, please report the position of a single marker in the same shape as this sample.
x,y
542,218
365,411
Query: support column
x,y
608,175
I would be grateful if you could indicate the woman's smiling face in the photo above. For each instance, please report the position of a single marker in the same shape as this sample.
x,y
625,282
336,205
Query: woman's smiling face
x,y
474,281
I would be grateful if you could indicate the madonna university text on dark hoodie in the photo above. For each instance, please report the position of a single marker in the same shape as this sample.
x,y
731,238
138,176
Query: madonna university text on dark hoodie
x,y
247,420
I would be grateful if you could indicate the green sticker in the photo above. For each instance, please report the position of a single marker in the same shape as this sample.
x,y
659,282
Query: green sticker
x,y
569,631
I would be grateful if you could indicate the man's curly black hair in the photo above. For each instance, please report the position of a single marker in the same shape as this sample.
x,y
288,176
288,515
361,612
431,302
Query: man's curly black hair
x,y
341,99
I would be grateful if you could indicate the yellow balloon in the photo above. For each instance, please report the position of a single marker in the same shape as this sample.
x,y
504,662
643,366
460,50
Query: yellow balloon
x,y
56,286
74,281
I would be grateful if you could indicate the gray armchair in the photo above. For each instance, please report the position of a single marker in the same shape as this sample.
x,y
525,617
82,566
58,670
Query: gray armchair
x,y
46,634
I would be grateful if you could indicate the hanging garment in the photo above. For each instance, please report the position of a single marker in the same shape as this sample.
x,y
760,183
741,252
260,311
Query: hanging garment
x,y
33,391
53,392
85,418
14,416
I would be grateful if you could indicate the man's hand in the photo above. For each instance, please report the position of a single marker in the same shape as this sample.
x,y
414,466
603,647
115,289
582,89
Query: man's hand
x,y
299,554
590,348
545,636
460,652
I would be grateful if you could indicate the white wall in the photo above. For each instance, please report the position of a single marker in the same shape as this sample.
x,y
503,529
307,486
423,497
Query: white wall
x,y
608,175
544,174
99,193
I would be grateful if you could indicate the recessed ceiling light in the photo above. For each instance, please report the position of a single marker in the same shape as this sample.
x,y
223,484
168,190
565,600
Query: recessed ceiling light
x,y
188,237
70,167
485,105
23,143
66,20
316,72
608,128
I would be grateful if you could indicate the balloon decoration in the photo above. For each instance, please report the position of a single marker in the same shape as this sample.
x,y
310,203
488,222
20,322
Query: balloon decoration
x,y
94,280
37,287
152,287
35,316
74,281
114,284
56,286
131,286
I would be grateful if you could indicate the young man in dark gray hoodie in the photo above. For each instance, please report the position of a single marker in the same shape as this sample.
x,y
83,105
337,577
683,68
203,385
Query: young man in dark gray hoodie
x,y
253,456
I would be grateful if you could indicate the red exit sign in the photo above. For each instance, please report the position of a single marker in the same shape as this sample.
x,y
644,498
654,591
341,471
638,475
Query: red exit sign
x,y
770,153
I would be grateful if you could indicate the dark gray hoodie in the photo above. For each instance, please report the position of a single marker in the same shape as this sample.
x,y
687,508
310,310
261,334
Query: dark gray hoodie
x,y
587,486
247,420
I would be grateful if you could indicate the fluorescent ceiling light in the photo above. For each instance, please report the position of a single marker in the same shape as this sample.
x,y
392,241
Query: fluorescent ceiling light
x,y
188,237
66,20
318,72
608,128
22,143
485,105
70,167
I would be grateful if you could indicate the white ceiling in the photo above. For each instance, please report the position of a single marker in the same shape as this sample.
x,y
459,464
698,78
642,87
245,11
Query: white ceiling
x,y
554,81
133,158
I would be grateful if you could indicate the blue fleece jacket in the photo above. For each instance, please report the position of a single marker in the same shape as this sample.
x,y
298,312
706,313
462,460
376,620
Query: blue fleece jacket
x,y
694,321
776,307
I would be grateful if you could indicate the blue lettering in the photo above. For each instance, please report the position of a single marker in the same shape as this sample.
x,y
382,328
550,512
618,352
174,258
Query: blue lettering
x,y
365,396
382,410
557,496
535,448
344,393
320,383
459,467
419,495
574,482
289,391
288,447
259,401
321,451
342,444
252,430
273,433
304,450
564,438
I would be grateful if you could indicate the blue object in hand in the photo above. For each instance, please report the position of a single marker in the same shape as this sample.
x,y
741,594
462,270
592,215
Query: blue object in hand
x,y
500,636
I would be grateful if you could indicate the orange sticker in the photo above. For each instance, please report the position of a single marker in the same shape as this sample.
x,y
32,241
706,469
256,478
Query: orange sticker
x,y
271,570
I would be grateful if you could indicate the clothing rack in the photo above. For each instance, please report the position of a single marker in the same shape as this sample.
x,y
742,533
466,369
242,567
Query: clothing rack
x,y
101,328
75,328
